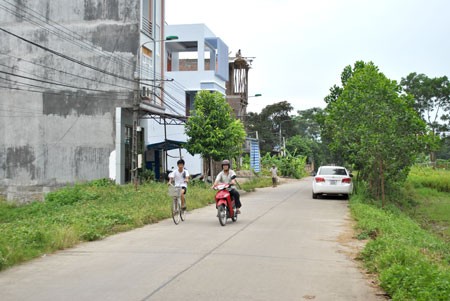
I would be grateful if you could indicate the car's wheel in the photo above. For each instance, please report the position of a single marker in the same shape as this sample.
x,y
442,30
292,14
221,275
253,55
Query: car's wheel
x,y
314,195
346,197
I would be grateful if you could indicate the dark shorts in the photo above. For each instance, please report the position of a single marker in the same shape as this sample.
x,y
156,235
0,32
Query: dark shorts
x,y
274,180
184,189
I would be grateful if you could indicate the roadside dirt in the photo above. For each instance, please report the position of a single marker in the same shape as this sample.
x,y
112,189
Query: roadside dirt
x,y
352,247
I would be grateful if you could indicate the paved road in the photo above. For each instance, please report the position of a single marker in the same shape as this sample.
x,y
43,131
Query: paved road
x,y
283,247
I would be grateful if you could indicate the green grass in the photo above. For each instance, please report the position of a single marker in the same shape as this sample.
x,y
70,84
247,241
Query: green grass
x,y
429,189
410,248
84,213
256,182
437,179
412,263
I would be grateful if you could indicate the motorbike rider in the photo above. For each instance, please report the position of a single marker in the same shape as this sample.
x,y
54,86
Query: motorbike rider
x,y
225,176
180,177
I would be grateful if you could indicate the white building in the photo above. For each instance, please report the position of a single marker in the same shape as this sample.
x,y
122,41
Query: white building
x,y
197,60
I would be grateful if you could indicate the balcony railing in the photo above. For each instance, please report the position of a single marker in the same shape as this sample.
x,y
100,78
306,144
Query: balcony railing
x,y
147,27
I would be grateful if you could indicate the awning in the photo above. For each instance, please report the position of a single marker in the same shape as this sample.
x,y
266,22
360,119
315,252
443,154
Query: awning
x,y
166,145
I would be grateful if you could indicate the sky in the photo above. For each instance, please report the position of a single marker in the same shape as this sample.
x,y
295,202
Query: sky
x,y
301,47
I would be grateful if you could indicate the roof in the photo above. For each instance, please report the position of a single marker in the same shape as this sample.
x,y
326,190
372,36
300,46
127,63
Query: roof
x,y
166,145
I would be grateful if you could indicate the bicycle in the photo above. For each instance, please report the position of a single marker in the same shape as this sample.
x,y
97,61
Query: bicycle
x,y
177,212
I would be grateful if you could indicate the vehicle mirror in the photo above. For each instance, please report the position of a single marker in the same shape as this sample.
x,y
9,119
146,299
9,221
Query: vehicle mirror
x,y
351,175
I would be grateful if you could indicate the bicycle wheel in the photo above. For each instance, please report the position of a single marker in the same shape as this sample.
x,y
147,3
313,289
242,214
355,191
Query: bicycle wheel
x,y
222,215
182,213
175,211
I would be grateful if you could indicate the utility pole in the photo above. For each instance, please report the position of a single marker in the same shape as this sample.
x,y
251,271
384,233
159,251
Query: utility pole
x,y
134,137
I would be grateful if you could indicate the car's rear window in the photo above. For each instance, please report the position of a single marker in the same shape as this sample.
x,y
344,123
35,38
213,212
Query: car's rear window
x,y
330,171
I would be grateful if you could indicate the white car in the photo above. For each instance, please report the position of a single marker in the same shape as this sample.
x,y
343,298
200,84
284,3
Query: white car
x,y
332,180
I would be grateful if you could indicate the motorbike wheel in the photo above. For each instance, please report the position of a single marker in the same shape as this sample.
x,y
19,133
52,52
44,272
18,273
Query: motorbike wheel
x,y
222,214
234,217
176,211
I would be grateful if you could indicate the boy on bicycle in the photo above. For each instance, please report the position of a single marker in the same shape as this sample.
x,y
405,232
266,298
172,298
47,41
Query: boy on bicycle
x,y
180,177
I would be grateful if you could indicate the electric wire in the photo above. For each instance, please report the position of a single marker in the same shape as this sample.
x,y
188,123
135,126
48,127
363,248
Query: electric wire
x,y
64,32
180,89
66,72
66,56
58,83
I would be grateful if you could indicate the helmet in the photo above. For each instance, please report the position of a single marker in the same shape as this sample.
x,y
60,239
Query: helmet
x,y
226,162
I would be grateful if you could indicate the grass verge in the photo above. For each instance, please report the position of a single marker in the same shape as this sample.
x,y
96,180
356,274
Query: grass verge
x,y
429,190
84,212
256,182
412,263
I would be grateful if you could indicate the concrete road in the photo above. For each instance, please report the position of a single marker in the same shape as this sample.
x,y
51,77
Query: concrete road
x,y
284,246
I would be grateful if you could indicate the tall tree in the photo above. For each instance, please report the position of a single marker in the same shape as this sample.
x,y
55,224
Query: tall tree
x,y
212,130
431,99
268,124
306,123
375,128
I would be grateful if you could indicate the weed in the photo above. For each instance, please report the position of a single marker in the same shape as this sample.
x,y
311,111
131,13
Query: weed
x,y
256,182
411,262
84,212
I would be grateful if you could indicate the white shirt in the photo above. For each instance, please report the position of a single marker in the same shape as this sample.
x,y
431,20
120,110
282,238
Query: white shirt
x,y
223,178
273,171
179,177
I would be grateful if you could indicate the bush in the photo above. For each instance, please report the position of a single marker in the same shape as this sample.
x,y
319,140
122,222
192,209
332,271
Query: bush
x,y
289,166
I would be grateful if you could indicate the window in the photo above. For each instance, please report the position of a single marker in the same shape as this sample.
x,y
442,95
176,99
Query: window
x,y
329,171
147,59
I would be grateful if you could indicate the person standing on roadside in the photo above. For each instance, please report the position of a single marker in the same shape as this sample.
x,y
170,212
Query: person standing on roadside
x,y
273,172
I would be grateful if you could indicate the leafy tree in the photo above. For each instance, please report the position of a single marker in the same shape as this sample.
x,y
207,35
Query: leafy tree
x,y
432,102
307,147
268,123
431,99
444,150
374,127
306,123
212,130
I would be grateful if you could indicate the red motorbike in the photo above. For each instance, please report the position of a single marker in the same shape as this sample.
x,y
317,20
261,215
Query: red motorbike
x,y
225,203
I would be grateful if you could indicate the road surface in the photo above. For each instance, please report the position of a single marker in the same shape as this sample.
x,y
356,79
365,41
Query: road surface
x,y
284,246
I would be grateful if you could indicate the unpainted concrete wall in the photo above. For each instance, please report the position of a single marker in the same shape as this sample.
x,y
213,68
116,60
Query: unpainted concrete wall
x,y
63,134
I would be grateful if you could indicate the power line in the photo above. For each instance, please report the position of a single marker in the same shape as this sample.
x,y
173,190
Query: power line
x,y
55,83
66,72
67,57
65,34
67,93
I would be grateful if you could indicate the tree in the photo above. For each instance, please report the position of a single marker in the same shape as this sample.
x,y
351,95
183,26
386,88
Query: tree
x,y
306,123
268,122
212,130
307,147
432,102
431,99
375,128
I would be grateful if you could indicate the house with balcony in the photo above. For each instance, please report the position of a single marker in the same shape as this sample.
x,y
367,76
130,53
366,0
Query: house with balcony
x,y
197,60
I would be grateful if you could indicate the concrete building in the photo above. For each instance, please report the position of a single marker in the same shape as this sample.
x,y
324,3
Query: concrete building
x,y
68,85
